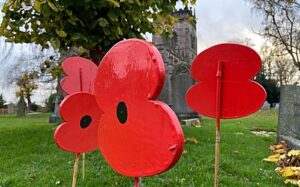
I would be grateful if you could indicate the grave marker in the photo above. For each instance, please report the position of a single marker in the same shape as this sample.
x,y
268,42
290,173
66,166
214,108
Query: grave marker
x,y
289,116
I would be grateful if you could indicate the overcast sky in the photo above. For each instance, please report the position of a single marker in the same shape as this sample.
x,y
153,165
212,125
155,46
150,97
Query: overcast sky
x,y
218,21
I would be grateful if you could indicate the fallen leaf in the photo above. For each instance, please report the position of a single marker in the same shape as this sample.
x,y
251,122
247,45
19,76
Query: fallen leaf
x,y
280,151
287,172
279,146
294,153
191,140
292,181
273,158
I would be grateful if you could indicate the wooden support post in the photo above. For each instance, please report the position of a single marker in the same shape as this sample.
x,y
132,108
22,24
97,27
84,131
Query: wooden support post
x,y
75,170
83,166
136,182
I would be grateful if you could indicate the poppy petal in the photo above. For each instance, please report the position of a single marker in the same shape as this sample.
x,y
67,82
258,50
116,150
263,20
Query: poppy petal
x,y
80,74
79,131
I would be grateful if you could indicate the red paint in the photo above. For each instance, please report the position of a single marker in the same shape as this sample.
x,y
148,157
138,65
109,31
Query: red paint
x,y
239,95
80,75
149,140
70,135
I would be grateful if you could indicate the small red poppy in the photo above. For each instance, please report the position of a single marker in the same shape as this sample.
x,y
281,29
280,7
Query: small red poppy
x,y
138,136
80,112
79,131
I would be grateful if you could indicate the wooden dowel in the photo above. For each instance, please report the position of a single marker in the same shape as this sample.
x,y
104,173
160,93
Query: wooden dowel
x,y
75,170
83,166
217,153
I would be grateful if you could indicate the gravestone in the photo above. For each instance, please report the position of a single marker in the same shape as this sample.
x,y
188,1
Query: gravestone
x,y
289,116
21,107
11,108
266,106
276,106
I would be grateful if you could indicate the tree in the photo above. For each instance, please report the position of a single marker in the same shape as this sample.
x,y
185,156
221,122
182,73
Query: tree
x,y
26,85
278,66
89,27
2,102
6,50
273,91
92,26
282,25
34,107
50,102
245,41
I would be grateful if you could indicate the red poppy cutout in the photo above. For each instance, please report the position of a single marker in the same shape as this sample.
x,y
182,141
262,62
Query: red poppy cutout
x,y
239,95
138,136
81,115
80,74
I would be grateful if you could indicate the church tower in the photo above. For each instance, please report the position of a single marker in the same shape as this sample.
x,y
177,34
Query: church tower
x,y
178,53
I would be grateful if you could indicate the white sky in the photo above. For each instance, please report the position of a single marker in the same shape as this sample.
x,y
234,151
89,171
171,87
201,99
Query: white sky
x,y
218,21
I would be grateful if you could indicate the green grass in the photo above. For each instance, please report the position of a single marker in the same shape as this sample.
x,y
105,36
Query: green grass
x,y
29,156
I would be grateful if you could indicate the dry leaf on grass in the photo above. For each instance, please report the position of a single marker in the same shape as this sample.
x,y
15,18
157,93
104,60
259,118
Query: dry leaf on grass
x,y
294,153
287,172
292,181
191,140
280,148
273,158
288,162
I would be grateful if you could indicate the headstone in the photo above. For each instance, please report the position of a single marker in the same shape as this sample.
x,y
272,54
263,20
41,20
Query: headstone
x,y
266,106
11,108
289,116
276,106
54,118
191,122
21,107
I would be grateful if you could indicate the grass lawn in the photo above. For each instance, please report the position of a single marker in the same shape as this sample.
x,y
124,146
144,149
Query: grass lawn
x,y
29,156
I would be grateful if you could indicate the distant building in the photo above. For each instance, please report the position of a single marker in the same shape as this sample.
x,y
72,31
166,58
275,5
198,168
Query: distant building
x,y
178,53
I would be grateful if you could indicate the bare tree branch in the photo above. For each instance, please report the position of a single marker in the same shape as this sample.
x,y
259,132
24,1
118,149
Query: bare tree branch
x,y
281,25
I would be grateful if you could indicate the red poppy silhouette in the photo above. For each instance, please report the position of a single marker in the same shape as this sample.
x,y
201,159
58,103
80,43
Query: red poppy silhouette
x,y
80,112
239,95
137,135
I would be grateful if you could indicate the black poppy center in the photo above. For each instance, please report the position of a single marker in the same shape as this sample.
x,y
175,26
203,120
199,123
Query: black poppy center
x,y
85,121
122,112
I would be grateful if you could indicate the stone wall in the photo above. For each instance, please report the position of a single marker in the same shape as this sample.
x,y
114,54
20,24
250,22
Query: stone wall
x,y
181,82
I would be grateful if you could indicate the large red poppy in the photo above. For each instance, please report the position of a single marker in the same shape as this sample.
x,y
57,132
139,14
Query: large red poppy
x,y
138,136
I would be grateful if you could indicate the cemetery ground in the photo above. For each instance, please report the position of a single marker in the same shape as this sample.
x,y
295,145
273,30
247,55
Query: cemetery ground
x,y
29,156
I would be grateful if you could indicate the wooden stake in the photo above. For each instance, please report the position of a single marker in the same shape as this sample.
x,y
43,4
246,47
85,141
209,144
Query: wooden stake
x,y
217,153
136,182
75,170
83,166
218,119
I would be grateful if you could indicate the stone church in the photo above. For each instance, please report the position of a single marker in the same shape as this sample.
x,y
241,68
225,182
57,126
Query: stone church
x,y
178,53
